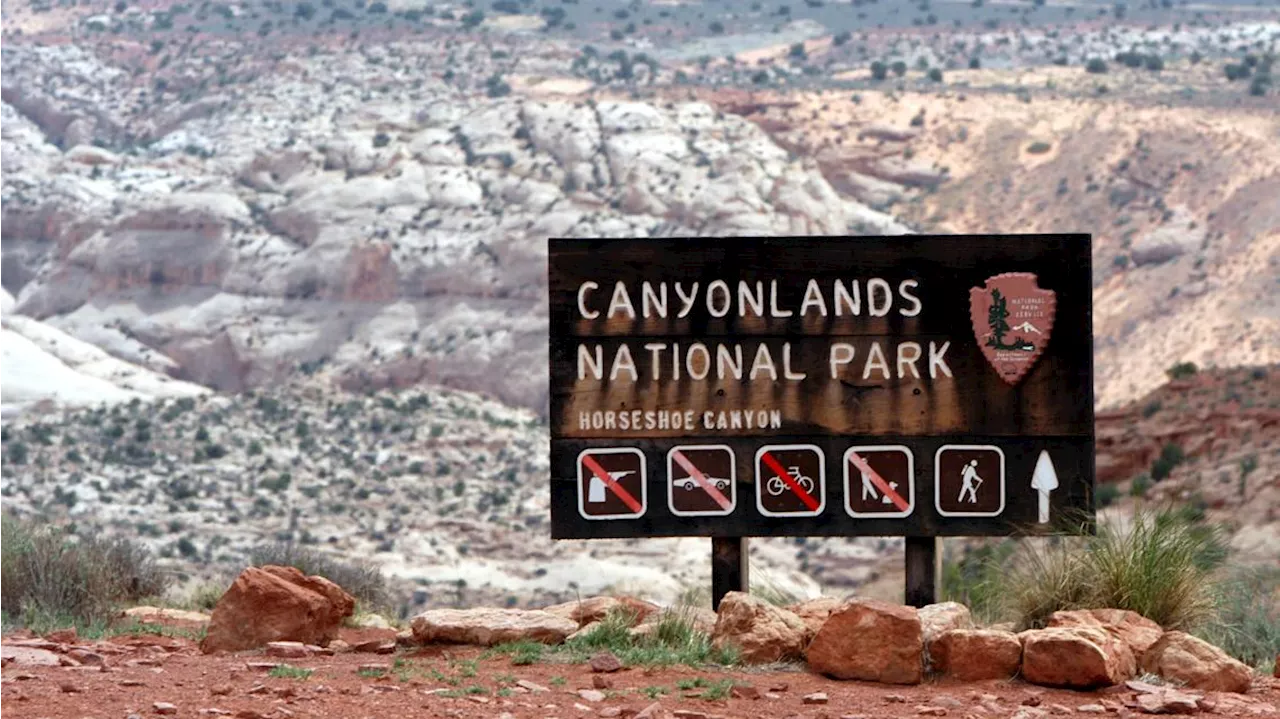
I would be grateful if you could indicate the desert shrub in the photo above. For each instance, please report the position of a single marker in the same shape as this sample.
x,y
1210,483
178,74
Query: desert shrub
x,y
935,75
1259,86
1237,71
1096,65
362,581
1182,370
1039,148
879,70
1106,495
1246,624
973,580
1171,455
899,68
1160,566
1140,485
975,62
49,579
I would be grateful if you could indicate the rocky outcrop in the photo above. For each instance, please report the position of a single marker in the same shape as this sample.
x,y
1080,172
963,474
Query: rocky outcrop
x,y
870,640
975,654
942,617
814,612
1135,630
487,627
1197,664
1076,657
270,604
761,632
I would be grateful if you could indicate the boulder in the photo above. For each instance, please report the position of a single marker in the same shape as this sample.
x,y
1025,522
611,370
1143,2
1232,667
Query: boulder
x,y
1197,664
1132,628
594,609
975,654
1077,657
762,632
870,640
945,616
272,604
488,626
814,612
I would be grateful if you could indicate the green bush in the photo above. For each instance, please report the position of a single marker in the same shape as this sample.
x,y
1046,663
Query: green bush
x,y
1097,66
1182,370
1161,566
1170,457
362,581
879,70
1140,485
48,579
1106,495
935,75
1247,621
1039,148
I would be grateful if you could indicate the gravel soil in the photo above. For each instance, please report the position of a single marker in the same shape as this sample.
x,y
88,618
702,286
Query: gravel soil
x,y
154,676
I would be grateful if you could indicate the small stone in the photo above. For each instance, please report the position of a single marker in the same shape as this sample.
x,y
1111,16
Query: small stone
x,y
610,712
894,699
67,661
931,711
653,711
338,646
68,688
479,700
772,695
815,698
779,687
591,695
1031,701
131,683
744,691
259,689
600,682
1060,709
288,650
1091,709
221,690
531,686
1168,702
688,714
605,662
372,669
164,708
262,666
375,646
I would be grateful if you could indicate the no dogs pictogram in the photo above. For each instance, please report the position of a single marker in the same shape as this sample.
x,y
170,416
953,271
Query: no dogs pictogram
x,y
879,481
700,480
611,483
791,480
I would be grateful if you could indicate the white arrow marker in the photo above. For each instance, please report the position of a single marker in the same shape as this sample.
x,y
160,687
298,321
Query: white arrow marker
x,y
1044,480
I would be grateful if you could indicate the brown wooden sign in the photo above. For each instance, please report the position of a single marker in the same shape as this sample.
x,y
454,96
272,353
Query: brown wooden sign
x,y
729,387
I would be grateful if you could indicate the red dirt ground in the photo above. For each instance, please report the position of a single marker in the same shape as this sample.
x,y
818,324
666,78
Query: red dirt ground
x,y
143,670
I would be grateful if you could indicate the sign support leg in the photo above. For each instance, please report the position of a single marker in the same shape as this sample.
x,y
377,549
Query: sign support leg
x,y
924,568
728,567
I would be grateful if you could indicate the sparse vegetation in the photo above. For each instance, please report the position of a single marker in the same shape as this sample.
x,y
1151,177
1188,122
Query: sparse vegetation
x,y
49,579
285,671
1182,370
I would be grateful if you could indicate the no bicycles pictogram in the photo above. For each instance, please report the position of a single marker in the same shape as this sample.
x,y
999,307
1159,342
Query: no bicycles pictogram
x,y
791,480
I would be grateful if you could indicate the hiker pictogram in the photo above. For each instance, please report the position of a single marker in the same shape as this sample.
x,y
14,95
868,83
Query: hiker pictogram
x,y
879,481
611,483
700,480
791,480
969,481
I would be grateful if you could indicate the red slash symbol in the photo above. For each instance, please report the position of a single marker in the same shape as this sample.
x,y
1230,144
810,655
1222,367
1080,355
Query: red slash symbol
x,y
861,465
590,463
781,471
701,479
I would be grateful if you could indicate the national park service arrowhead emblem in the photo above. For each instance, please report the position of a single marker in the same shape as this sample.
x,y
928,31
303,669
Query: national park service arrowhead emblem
x,y
1012,319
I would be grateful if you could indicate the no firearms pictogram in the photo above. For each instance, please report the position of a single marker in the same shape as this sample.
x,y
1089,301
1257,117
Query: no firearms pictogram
x,y
611,483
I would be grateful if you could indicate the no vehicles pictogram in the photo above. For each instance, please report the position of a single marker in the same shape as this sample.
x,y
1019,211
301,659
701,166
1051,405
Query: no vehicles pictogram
x,y
701,480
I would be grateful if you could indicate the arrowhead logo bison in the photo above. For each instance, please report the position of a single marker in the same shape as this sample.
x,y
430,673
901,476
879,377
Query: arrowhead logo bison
x,y
1012,319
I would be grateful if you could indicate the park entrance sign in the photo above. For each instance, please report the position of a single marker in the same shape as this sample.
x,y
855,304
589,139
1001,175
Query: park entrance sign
x,y
916,386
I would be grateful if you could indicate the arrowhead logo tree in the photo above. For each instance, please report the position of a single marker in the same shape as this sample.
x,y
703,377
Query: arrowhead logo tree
x,y
1012,319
